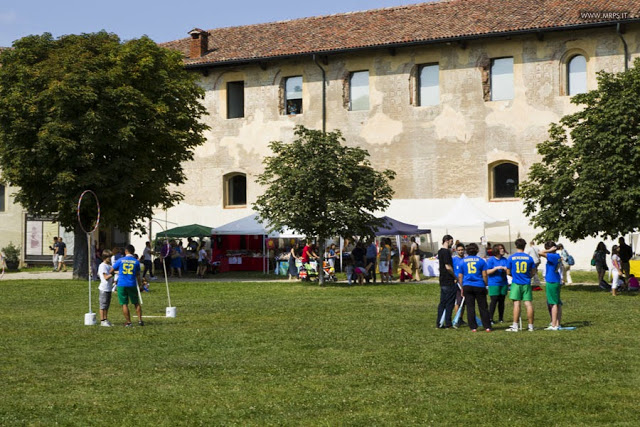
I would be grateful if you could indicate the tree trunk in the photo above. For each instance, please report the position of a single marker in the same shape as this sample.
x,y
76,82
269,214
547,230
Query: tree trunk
x,y
321,245
80,254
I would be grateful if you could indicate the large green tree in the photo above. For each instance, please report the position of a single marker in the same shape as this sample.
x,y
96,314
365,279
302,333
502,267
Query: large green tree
x,y
321,188
588,181
91,112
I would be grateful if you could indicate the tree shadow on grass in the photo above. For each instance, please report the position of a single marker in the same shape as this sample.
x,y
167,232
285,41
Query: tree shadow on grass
x,y
343,284
583,288
577,324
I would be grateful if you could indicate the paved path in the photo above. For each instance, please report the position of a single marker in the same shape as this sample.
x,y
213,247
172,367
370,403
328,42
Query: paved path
x,y
51,275
38,275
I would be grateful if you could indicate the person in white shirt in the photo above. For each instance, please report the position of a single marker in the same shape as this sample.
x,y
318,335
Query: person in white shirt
x,y
534,253
146,261
202,261
106,286
616,270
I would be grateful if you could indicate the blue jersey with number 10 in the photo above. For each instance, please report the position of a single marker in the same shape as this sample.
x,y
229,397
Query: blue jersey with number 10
x,y
128,269
521,265
471,268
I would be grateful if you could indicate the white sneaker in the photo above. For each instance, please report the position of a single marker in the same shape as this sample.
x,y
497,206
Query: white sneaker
x,y
551,328
512,329
530,329
105,323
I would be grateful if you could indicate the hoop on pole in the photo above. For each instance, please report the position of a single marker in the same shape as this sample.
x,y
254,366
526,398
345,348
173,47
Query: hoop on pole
x,y
90,317
78,211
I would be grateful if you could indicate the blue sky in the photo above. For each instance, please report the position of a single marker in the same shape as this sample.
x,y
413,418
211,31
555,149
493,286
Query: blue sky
x,y
162,20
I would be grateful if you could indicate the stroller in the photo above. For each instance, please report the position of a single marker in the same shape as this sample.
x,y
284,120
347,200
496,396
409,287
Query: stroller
x,y
329,272
308,272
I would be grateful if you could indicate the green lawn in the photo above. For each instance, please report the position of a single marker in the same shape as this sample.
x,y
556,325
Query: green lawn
x,y
296,354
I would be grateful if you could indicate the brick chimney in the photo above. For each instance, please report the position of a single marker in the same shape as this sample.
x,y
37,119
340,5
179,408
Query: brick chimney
x,y
199,43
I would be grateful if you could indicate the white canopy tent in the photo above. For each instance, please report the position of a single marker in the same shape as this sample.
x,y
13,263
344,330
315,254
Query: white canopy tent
x,y
465,214
250,226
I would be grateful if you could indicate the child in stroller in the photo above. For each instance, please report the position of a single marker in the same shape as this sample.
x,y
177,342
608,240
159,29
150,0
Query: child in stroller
x,y
329,271
308,272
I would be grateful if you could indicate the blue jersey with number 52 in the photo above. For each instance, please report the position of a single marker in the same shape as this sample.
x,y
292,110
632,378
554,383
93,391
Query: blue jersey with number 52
x,y
471,268
521,265
128,269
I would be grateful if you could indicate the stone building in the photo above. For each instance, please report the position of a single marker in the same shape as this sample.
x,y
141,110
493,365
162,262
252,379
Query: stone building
x,y
452,95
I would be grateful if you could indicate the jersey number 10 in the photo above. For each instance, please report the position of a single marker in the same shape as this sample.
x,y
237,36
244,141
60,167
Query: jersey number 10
x,y
521,267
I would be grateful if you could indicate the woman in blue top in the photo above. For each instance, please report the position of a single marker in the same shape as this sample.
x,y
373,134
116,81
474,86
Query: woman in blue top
x,y
473,276
498,285
176,259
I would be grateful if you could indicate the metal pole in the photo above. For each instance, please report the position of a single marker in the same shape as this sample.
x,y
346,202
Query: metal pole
x,y
89,267
341,248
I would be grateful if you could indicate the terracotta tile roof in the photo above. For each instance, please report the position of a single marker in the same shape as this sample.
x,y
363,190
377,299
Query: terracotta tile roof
x,y
419,23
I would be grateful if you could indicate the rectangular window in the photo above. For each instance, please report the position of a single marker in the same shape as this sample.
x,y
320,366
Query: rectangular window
x,y
359,91
235,189
501,79
293,95
429,84
2,198
235,100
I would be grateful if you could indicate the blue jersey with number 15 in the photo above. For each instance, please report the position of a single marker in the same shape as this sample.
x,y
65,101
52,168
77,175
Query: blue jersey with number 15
x,y
521,265
128,269
471,268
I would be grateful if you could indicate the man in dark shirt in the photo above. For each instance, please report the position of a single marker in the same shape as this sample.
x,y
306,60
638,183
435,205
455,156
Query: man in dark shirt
x,y
447,283
372,254
626,253
359,259
61,251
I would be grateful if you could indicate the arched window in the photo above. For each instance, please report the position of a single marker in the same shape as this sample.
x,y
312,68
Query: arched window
x,y
293,95
504,177
577,75
235,190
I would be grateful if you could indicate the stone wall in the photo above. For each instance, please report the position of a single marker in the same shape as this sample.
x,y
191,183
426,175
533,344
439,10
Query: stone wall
x,y
438,152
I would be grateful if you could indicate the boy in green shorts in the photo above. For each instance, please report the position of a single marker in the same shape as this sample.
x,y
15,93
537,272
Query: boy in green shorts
x,y
128,269
552,277
521,268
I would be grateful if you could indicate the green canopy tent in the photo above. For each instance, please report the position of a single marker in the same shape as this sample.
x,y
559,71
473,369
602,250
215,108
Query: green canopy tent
x,y
193,230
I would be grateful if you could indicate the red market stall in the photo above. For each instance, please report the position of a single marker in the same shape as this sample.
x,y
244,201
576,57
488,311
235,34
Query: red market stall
x,y
241,245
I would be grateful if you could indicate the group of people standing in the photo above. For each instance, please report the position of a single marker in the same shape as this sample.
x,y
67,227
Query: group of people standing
x,y
121,275
468,279
364,260
621,277
178,255
59,249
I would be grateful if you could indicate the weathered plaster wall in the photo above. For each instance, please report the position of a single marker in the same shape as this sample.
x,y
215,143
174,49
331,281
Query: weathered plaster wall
x,y
438,151
11,221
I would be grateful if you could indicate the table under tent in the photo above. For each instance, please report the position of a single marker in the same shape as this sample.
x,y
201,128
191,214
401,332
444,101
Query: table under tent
x,y
244,244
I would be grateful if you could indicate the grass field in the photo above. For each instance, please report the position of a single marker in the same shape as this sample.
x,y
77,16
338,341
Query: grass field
x,y
295,354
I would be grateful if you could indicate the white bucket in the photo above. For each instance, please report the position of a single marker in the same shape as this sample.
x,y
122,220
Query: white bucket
x,y
89,319
171,312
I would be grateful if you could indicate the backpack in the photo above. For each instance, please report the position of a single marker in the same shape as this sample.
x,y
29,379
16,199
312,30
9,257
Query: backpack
x,y
570,260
